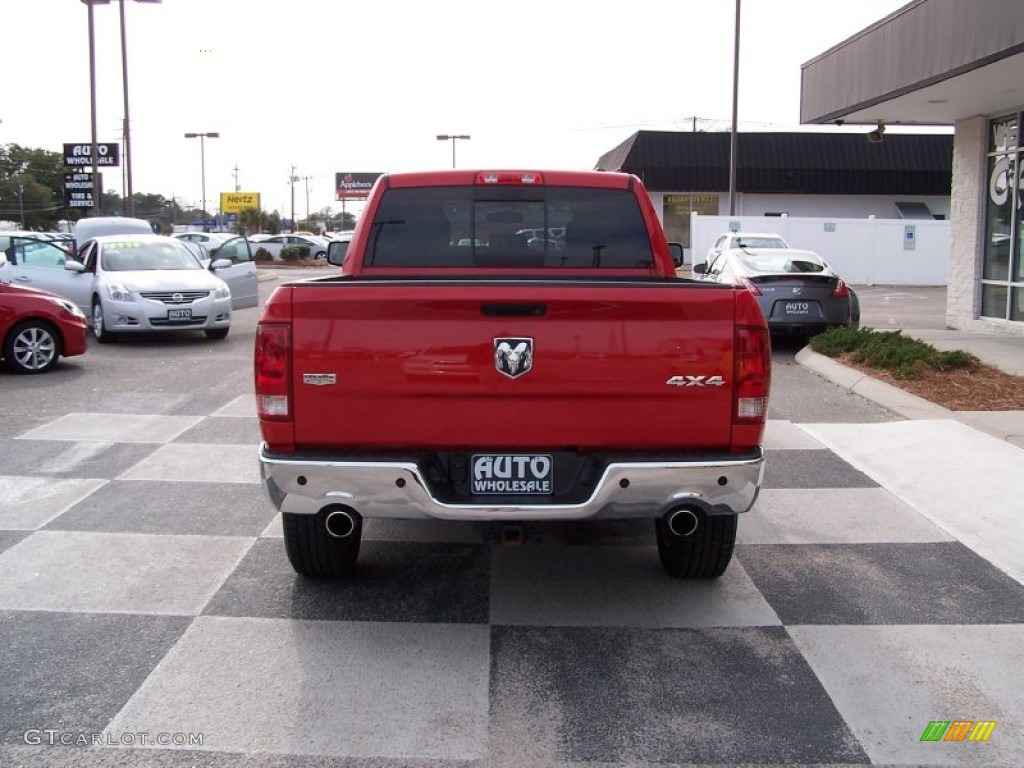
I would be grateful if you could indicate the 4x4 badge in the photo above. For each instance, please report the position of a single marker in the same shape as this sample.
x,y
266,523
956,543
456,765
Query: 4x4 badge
x,y
513,357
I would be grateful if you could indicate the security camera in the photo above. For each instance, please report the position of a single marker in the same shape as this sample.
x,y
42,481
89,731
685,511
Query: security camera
x,y
877,135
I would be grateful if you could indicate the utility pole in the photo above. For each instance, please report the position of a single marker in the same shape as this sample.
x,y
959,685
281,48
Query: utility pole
x,y
292,179
306,179
237,188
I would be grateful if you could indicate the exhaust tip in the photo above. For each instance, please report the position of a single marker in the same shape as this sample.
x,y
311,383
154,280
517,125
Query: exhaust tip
x,y
682,522
340,523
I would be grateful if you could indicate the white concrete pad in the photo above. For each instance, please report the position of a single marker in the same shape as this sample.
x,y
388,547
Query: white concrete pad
x,y
241,406
113,428
890,682
780,434
834,516
199,463
32,502
117,572
616,587
352,689
967,482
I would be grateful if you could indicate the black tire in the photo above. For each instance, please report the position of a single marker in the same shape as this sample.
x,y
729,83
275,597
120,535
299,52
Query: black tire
x,y
313,552
854,310
217,333
704,554
33,346
99,328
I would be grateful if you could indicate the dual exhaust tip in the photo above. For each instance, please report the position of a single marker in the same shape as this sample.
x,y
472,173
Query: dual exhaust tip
x,y
342,522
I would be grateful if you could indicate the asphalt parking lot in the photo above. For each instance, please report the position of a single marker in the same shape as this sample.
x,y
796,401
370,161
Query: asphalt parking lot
x,y
149,615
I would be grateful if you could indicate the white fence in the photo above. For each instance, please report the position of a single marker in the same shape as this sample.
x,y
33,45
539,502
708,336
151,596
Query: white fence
x,y
863,251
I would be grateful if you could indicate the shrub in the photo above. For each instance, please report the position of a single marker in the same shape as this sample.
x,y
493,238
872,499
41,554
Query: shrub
x,y
262,254
904,357
292,253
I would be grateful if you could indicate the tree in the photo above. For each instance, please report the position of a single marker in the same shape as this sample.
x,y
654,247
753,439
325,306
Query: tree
x,y
31,186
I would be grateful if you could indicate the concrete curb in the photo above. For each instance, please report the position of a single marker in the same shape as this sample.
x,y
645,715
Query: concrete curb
x,y
895,399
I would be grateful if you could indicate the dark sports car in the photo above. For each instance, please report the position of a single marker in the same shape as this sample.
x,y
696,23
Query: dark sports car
x,y
798,291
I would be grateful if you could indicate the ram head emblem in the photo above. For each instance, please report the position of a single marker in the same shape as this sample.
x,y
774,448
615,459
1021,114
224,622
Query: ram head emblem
x,y
513,357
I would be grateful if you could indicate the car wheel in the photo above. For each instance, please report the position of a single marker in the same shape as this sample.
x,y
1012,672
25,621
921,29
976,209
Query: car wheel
x,y
32,346
325,544
217,333
321,255
854,310
99,328
695,545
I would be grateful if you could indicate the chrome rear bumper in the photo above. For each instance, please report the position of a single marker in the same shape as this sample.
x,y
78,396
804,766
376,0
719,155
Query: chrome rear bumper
x,y
303,484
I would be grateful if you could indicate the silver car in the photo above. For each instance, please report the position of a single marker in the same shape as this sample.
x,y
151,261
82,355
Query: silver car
x,y
130,283
799,293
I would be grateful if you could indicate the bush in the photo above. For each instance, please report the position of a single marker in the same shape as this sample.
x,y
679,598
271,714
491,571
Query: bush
x,y
891,351
293,253
262,254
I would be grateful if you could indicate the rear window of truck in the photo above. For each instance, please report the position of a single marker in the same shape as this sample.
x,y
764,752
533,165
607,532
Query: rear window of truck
x,y
509,227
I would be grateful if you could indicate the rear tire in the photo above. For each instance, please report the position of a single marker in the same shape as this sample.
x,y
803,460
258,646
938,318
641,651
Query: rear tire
x,y
704,554
32,346
313,552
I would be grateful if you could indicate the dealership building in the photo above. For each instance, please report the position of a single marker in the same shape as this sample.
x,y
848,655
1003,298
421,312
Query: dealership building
x,y
958,63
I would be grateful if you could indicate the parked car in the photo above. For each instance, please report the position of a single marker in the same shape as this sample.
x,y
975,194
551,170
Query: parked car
x,y
277,243
731,240
799,293
37,327
133,283
209,240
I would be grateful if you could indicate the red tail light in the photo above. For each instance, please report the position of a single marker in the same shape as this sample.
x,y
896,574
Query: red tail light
x,y
840,291
749,285
753,373
273,371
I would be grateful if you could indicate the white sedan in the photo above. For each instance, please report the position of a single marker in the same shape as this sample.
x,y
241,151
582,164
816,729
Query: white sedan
x,y
277,243
130,283
731,240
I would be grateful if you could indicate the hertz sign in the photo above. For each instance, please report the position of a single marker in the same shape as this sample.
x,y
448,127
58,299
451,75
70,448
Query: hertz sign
x,y
236,202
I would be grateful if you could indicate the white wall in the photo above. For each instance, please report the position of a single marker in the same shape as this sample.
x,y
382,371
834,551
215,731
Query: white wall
x,y
863,251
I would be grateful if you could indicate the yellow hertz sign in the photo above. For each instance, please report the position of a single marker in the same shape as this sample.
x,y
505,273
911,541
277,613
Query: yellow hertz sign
x,y
235,202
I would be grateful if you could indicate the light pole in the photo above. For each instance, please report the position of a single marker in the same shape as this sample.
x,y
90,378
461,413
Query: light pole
x,y
733,140
202,158
453,138
94,151
129,204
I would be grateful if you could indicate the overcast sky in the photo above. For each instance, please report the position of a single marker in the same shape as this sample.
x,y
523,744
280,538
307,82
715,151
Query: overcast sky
x,y
337,85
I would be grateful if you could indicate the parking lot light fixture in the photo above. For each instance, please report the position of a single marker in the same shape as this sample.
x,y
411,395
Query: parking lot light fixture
x,y
453,138
202,157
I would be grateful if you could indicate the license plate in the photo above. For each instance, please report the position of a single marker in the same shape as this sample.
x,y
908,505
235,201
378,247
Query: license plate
x,y
495,473
798,308
179,315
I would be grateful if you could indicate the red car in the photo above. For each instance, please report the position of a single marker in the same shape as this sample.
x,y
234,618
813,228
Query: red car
x,y
37,327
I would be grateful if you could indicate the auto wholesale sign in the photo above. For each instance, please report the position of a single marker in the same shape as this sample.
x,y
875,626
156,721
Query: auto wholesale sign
x,y
236,202
354,186
80,155
78,190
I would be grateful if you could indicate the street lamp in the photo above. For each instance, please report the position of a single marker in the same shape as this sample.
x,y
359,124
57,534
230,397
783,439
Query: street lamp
x,y
202,157
453,138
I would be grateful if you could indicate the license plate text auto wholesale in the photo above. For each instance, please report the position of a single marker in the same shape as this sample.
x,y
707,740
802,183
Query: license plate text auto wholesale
x,y
798,308
503,473
179,315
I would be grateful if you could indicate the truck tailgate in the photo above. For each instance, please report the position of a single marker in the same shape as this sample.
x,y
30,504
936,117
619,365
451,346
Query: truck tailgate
x,y
615,364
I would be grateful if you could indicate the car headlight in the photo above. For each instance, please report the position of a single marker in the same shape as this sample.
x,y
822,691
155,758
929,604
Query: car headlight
x,y
222,292
118,292
67,306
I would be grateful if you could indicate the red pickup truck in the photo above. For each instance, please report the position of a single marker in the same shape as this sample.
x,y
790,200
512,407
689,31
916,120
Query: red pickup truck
x,y
463,367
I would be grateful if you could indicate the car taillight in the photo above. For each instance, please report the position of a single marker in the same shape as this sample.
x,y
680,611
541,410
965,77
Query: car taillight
x,y
509,177
840,291
273,371
749,285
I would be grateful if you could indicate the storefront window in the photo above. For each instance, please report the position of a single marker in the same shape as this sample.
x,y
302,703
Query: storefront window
x,y
1003,265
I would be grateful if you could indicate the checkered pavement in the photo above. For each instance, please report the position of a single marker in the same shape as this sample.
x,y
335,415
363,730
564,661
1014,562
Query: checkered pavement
x,y
145,594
